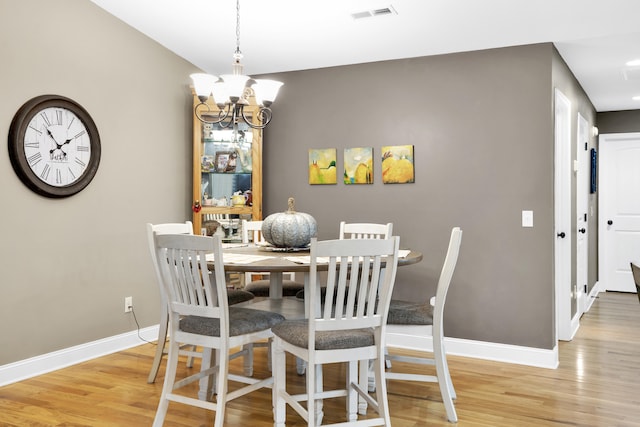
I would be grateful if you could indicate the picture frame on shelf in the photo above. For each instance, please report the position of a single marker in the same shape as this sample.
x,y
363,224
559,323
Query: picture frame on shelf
x,y
207,163
226,161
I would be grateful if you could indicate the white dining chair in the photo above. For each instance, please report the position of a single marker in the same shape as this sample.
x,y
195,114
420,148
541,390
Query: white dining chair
x,y
419,327
349,327
365,230
235,296
199,314
252,233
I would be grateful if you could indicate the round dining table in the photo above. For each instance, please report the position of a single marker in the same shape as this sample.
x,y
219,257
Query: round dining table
x,y
243,258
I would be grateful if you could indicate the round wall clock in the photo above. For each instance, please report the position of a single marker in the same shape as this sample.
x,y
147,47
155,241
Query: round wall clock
x,y
54,146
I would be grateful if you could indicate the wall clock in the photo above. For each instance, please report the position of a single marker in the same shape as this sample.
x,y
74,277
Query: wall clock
x,y
54,146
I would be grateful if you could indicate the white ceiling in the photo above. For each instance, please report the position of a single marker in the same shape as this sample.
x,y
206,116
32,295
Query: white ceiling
x,y
595,37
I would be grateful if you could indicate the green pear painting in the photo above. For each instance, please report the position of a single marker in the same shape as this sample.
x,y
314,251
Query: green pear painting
x,y
322,166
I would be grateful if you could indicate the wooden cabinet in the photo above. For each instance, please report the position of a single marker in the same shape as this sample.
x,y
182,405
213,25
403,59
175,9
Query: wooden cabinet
x,y
226,161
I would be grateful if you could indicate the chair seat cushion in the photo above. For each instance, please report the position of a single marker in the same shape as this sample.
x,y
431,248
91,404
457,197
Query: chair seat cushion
x,y
260,288
235,296
296,332
409,313
241,321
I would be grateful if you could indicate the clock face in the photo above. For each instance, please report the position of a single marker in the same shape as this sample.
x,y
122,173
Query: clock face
x,y
57,146
54,146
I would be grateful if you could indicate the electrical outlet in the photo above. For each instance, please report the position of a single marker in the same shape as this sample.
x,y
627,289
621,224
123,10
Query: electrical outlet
x,y
128,304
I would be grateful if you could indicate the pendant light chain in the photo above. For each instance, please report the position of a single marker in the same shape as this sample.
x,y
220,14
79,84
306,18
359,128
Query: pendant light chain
x,y
238,26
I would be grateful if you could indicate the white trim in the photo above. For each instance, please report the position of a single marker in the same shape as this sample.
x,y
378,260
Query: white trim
x,y
592,296
38,365
507,353
562,215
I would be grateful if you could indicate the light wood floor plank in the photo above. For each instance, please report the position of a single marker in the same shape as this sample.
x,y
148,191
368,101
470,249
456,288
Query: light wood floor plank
x,y
597,384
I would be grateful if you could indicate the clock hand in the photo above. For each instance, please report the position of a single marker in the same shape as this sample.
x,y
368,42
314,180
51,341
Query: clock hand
x,y
51,135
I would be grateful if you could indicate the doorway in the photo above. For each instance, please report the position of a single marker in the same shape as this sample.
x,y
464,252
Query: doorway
x,y
619,210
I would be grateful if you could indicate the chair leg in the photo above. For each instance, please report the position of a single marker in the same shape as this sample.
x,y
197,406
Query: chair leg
x,y
162,338
248,360
354,376
221,387
208,384
367,382
381,389
444,380
167,388
318,414
279,367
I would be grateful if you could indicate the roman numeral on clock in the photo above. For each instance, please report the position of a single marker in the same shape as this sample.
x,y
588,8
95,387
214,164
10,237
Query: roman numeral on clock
x,y
34,159
45,172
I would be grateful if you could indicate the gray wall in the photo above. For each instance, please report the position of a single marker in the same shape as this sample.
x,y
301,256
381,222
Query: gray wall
x,y
68,264
482,127
619,121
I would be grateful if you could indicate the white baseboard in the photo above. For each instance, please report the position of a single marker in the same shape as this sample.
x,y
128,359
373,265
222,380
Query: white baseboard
x,y
591,298
28,368
491,351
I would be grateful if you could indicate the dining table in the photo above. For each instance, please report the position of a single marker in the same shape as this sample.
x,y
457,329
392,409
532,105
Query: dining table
x,y
252,258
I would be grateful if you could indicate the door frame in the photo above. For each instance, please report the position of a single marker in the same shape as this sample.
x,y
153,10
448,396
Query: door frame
x,y
582,215
565,329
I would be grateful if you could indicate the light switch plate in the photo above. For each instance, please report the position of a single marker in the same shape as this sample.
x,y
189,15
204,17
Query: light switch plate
x,y
527,218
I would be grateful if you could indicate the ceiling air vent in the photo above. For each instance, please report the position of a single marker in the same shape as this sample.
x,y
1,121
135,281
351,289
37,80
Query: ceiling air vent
x,y
390,10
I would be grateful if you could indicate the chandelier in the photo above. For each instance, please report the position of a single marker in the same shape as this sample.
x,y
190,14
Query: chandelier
x,y
231,93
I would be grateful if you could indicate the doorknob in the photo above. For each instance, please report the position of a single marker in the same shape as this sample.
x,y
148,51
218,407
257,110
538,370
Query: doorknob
x,y
561,235
610,222
582,230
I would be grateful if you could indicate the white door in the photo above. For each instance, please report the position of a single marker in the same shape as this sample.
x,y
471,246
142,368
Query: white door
x,y
619,210
562,213
583,176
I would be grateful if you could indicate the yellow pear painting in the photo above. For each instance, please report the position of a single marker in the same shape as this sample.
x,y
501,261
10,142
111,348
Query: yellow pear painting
x,y
397,164
322,166
358,165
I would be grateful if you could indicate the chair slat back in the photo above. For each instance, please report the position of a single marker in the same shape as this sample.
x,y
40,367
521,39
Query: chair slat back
x,y
252,232
365,230
183,263
446,274
359,282
166,228
635,271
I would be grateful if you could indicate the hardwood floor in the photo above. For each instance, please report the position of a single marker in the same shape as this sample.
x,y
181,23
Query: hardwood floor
x,y
597,384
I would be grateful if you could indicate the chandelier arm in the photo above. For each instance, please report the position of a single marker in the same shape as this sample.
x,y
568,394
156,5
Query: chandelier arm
x,y
264,114
222,115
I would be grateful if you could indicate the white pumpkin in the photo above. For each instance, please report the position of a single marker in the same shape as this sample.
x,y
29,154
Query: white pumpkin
x,y
289,229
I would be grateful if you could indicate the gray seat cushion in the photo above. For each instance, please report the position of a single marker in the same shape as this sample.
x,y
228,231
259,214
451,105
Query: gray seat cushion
x,y
241,321
235,296
409,313
260,288
296,332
